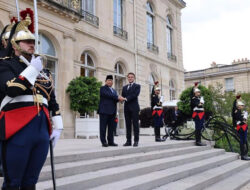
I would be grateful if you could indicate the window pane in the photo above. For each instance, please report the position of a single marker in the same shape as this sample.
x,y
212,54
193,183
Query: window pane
x,y
118,13
229,84
51,65
83,58
120,69
149,28
149,7
83,71
91,73
169,40
90,61
88,5
46,47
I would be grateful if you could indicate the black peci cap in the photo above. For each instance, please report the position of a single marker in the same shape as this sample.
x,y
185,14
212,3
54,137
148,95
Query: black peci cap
x,y
109,77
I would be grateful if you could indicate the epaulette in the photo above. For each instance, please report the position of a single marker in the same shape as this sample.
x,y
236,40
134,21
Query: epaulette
x,y
193,97
154,95
4,58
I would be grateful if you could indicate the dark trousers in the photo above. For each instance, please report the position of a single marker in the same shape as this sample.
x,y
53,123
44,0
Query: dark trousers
x,y
199,123
24,154
157,124
107,120
132,117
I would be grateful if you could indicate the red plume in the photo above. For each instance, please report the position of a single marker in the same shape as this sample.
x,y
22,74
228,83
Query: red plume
x,y
238,96
156,82
13,20
196,83
23,15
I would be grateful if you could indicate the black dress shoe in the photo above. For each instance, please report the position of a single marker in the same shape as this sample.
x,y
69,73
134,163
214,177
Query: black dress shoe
x,y
105,145
127,144
113,144
159,140
200,144
245,157
135,144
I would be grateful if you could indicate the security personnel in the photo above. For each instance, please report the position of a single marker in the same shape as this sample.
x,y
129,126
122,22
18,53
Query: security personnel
x,y
25,111
240,118
157,112
197,105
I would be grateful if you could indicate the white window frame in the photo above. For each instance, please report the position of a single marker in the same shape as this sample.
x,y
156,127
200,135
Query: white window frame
x,y
151,15
172,90
169,31
231,87
84,6
118,19
86,66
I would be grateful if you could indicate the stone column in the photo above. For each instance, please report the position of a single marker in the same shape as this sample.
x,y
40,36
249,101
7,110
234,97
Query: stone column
x,y
67,74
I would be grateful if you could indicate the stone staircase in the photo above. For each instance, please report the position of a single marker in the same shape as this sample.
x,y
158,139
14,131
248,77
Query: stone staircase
x,y
171,165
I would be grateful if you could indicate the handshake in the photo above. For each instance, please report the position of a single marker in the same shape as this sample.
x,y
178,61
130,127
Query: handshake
x,y
121,99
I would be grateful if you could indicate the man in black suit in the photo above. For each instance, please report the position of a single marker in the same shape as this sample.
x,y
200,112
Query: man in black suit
x,y
131,92
107,111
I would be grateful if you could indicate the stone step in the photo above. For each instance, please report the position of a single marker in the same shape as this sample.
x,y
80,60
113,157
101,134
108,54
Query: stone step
x,y
78,167
205,179
96,178
77,155
155,179
234,182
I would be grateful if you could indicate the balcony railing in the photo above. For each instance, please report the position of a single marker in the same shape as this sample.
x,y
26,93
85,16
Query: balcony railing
x,y
90,18
171,56
153,47
120,32
75,7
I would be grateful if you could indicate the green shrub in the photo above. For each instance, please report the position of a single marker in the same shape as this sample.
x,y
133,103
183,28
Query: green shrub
x,y
84,94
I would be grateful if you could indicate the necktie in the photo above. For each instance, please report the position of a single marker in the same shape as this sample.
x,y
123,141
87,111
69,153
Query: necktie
x,y
129,86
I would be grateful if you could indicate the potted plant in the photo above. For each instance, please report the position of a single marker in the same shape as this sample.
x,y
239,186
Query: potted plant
x,y
84,99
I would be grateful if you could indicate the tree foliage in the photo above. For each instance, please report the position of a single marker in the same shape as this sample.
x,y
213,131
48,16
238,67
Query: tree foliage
x,y
84,94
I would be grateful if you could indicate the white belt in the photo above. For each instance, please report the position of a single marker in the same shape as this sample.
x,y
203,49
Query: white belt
x,y
23,98
198,109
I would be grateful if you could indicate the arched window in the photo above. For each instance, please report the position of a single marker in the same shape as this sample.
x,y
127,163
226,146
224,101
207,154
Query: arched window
x,y
169,36
171,90
87,65
150,24
89,6
118,12
47,48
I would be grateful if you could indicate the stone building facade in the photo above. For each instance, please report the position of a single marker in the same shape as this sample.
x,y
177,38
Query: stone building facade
x,y
100,37
234,77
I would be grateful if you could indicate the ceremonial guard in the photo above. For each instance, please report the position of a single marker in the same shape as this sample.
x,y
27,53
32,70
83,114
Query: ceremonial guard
x,y
157,111
197,105
240,121
29,101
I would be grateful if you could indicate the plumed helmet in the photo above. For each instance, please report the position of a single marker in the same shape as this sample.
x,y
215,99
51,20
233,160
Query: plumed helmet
x,y
240,103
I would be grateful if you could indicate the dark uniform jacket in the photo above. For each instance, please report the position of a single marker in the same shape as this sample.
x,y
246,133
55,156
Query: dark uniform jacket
x,y
239,117
14,87
155,101
195,104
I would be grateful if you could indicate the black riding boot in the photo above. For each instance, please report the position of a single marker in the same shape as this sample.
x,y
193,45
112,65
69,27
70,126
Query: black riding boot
x,y
243,152
157,134
10,188
198,138
32,187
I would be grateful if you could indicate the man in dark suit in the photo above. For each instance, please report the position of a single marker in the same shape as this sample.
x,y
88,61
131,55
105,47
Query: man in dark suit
x,y
131,92
107,111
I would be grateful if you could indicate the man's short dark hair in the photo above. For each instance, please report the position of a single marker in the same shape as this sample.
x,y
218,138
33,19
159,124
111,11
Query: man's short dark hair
x,y
131,73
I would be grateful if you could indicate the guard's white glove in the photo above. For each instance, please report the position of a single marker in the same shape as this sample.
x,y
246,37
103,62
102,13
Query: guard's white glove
x,y
245,116
202,101
162,99
55,136
37,63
